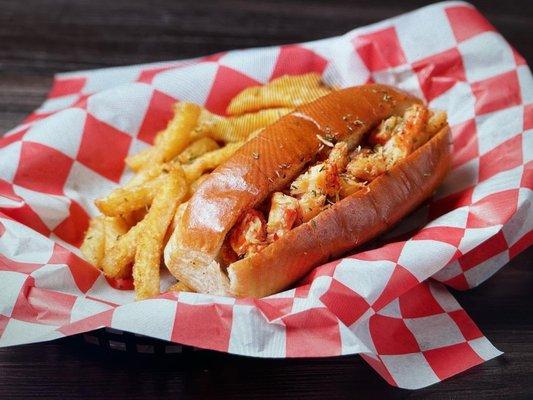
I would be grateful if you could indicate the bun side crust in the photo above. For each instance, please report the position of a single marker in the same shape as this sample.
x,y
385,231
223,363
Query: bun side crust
x,y
349,223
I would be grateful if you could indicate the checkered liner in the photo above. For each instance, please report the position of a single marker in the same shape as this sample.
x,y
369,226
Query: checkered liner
x,y
378,302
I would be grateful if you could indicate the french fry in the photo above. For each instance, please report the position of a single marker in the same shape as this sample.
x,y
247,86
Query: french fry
x,y
209,161
236,129
140,159
172,141
94,242
147,174
178,134
196,149
286,91
137,161
128,201
146,268
159,135
123,201
114,228
117,261
155,224
134,217
206,124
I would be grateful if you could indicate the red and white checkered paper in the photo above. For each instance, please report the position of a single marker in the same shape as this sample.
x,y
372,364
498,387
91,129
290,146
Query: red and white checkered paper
x,y
384,303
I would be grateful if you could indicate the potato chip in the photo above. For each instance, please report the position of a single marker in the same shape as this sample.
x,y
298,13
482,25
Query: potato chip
x,y
286,91
236,129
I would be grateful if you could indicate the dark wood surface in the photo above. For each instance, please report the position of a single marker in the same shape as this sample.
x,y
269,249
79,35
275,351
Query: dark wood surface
x,y
40,38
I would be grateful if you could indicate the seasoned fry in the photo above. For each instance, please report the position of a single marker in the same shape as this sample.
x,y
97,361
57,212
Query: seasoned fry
x,y
159,135
140,160
174,139
146,267
123,201
196,149
177,135
236,129
286,91
147,174
118,259
151,173
94,241
114,228
155,224
209,161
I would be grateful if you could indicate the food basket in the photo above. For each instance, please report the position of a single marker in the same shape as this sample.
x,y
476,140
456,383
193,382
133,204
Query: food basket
x,y
389,303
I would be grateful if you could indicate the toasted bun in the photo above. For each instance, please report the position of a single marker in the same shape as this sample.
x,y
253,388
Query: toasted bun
x,y
347,224
266,164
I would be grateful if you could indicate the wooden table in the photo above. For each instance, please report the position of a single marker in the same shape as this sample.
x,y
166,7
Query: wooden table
x,y
38,39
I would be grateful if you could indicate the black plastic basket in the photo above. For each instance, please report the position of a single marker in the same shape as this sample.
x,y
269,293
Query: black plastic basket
x,y
117,340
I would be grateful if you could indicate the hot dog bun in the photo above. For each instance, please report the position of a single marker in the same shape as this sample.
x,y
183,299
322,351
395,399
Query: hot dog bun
x,y
269,163
347,224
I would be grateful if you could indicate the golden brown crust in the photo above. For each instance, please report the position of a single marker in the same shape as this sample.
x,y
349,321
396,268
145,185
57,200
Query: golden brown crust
x,y
347,224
